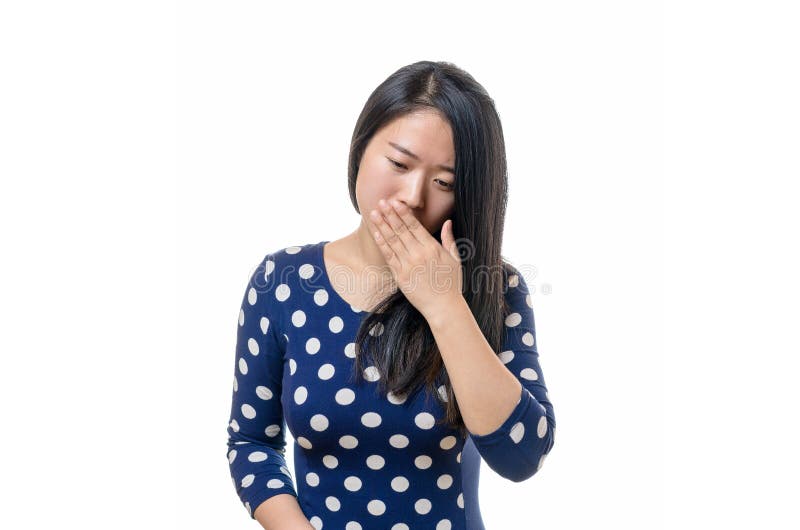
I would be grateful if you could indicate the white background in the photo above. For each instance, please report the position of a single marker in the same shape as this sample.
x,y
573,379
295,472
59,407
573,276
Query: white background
x,y
152,153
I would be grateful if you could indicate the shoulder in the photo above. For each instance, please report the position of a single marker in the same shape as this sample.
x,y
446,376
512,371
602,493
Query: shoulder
x,y
513,280
280,267
516,294
282,258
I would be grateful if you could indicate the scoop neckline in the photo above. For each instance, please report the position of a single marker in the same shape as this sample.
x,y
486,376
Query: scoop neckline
x,y
326,279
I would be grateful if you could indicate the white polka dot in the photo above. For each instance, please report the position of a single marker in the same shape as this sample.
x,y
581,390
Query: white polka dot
x,y
444,481
400,484
395,399
528,301
541,429
304,442
371,373
513,320
376,330
252,296
398,440
506,356
273,430
352,483
294,249
306,271
345,396
376,507
234,425
448,442
241,317
352,525
257,456
375,462
275,483
269,266
442,392
371,419
350,350
282,292
242,366
312,345
312,479
400,526
316,522
252,345
232,456
321,297
292,366
458,457
424,420
300,395
444,524
423,461
529,374
330,461
319,422
298,318
263,392
286,472
235,384
247,480
422,506
333,503
348,442
527,339
460,500
336,324
326,371
264,324
513,280
248,411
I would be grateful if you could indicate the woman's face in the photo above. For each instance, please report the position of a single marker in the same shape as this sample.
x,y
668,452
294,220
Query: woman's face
x,y
425,182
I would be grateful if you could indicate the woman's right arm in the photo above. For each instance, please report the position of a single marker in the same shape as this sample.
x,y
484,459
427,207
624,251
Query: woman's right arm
x,y
256,441
282,512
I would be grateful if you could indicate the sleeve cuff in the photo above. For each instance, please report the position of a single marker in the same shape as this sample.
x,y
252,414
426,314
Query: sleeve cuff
x,y
482,440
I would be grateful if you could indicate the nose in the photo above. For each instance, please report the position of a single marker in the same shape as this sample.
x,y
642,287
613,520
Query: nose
x,y
413,191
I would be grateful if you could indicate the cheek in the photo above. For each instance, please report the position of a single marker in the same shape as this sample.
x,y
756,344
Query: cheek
x,y
370,188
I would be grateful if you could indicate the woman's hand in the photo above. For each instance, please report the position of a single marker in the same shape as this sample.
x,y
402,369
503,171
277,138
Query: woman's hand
x,y
428,273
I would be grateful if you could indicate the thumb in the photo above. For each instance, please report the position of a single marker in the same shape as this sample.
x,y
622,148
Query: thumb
x,y
448,239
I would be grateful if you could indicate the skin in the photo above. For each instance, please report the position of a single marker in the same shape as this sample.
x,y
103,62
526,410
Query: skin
x,y
363,269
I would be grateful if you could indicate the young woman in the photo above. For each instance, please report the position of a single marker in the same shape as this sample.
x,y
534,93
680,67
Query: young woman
x,y
401,354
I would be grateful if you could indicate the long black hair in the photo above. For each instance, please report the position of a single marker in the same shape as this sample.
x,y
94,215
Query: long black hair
x,y
395,337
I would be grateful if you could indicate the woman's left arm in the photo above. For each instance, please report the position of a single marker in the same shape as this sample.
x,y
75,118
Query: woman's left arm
x,y
502,398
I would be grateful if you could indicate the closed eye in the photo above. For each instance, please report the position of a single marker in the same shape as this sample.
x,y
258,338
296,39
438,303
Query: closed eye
x,y
398,165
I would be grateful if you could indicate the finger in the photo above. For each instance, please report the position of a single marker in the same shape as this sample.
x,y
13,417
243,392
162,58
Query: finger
x,y
415,228
398,225
386,234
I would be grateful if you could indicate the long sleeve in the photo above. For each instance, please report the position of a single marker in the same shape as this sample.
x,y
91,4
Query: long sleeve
x,y
517,449
256,442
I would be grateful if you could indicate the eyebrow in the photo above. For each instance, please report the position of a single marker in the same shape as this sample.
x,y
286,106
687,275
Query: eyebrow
x,y
415,157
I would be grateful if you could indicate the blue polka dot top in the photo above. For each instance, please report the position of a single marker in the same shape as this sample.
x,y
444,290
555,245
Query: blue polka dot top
x,y
363,460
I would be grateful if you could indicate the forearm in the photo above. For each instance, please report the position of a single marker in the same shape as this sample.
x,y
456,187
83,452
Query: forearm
x,y
486,391
282,512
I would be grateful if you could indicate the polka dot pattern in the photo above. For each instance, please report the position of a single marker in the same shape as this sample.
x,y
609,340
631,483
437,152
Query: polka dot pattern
x,y
364,458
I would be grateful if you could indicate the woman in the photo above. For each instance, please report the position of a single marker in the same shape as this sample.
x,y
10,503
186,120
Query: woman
x,y
396,362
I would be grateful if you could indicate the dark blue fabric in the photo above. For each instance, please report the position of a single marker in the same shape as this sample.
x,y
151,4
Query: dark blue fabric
x,y
363,460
